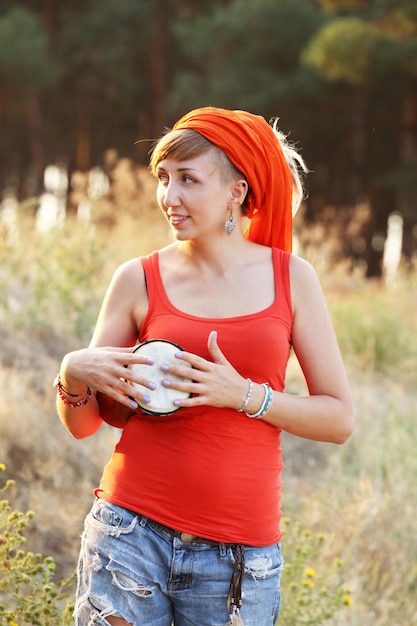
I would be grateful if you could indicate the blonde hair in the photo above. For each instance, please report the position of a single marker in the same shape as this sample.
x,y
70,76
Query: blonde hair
x,y
295,162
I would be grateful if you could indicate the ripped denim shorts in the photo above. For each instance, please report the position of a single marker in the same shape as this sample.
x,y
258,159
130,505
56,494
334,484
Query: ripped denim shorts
x,y
131,568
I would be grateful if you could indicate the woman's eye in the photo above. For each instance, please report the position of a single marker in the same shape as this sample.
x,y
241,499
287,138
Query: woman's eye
x,y
164,179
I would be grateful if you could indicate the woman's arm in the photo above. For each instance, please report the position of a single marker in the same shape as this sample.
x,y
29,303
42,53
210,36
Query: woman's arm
x,y
102,368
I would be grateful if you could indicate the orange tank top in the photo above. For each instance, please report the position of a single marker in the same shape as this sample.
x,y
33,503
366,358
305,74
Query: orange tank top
x,y
211,472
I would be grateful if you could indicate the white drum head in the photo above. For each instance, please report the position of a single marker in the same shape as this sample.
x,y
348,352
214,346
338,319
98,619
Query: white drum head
x,y
162,351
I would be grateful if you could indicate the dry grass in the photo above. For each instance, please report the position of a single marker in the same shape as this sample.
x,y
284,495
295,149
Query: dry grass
x,y
364,493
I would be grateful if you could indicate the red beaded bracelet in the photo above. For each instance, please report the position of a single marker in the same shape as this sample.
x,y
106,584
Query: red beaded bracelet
x,y
63,393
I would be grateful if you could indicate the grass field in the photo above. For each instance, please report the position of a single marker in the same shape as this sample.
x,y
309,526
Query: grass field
x,y
361,497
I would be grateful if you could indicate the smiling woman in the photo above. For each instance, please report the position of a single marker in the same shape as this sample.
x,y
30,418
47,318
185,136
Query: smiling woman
x,y
194,193
236,300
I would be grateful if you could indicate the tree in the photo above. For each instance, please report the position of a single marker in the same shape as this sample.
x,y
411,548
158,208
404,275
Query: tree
x,y
372,46
105,48
244,54
26,68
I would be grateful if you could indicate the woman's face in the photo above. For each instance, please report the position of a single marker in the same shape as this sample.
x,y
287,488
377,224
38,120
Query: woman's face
x,y
194,196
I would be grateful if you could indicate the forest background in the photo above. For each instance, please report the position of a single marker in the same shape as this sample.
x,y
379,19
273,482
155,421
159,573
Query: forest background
x,y
78,78
80,83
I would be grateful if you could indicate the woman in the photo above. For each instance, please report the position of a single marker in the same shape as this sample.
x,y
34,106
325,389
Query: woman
x,y
185,525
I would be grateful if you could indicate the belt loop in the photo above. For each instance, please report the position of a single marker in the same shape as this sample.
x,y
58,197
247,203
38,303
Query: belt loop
x,y
143,521
222,549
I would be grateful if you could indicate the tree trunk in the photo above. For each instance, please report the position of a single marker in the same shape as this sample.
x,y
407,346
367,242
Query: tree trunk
x,y
152,118
2,126
34,117
84,133
407,192
157,67
357,183
50,15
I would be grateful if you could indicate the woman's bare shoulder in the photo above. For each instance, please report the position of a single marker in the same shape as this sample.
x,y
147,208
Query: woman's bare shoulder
x,y
128,282
304,280
301,270
129,268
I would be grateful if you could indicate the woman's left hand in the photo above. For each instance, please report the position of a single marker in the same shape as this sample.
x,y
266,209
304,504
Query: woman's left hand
x,y
212,383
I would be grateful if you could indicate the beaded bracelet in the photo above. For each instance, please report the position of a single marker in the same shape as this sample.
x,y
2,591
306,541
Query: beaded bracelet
x,y
63,393
248,395
266,404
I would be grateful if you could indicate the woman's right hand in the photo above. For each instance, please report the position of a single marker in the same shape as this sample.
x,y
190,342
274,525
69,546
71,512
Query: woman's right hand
x,y
104,370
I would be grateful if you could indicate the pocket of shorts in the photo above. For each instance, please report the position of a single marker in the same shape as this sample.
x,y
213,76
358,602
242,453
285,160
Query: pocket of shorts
x,y
261,563
110,517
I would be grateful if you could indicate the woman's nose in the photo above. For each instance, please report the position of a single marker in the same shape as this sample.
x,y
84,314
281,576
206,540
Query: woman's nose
x,y
170,195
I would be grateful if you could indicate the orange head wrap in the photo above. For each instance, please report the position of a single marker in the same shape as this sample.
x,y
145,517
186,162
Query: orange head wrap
x,y
252,147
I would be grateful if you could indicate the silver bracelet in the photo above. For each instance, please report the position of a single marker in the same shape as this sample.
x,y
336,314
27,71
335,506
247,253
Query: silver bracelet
x,y
248,395
266,404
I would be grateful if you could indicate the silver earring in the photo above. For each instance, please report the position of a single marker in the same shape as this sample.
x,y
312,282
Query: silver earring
x,y
230,224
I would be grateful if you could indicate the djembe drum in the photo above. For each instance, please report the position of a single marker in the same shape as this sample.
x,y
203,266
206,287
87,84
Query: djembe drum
x,y
161,351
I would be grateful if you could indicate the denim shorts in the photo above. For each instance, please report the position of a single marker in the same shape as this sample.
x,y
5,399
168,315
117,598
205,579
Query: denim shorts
x,y
131,568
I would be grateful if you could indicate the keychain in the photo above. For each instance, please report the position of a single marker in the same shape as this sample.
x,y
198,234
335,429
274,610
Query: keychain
x,y
235,590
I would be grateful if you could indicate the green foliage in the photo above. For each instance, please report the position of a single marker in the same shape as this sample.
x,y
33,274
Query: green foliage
x,y
24,55
103,47
254,63
368,41
28,594
375,336
311,587
343,50
55,282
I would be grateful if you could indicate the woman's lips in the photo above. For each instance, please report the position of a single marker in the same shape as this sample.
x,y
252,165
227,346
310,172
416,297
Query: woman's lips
x,y
177,220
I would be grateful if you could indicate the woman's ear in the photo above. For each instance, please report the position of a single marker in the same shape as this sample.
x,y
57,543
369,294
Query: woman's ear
x,y
239,190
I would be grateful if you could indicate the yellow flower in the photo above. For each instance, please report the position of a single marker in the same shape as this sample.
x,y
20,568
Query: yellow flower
x,y
13,624
310,572
307,582
347,600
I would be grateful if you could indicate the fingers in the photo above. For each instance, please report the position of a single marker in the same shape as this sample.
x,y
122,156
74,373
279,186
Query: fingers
x,y
212,341
127,350
200,367
215,352
137,379
107,370
198,363
205,381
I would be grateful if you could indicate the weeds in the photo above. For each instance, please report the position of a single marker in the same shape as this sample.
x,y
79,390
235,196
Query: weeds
x,y
28,595
312,582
